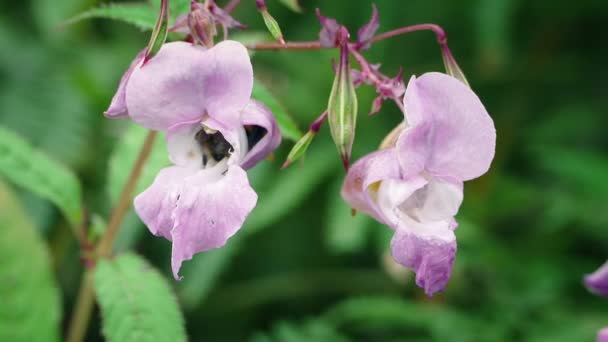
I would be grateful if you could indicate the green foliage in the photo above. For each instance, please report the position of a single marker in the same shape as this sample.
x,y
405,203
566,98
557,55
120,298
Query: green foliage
x,y
344,232
31,307
141,14
293,5
136,302
311,330
287,125
32,170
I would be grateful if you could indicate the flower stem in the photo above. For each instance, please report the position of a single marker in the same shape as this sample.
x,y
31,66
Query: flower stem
x,y
85,300
104,249
287,46
438,30
231,5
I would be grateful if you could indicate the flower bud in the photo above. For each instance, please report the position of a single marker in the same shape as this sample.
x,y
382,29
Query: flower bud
x,y
299,148
159,34
451,67
202,25
271,23
342,105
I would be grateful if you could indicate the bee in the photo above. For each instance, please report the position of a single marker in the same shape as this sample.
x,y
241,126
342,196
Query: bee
x,y
213,145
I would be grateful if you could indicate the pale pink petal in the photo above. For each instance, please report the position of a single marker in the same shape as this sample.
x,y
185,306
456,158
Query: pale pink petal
x,y
602,335
183,148
183,83
212,207
118,106
229,82
155,205
597,282
168,89
438,200
428,249
359,185
460,135
257,114
393,194
414,149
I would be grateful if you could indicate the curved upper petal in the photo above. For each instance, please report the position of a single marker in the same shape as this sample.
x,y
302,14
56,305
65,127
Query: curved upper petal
x,y
257,114
118,106
429,249
185,82
212,207
597,282
359,188
229,82
155,205
460,134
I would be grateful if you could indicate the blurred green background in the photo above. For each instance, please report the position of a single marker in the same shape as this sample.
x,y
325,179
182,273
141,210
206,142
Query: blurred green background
x,y
303,269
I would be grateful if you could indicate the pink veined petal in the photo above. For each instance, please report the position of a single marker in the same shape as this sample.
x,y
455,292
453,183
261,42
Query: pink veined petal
x,y
168,89
597,282
211,209
155,205
359,185
257,114
118,106
428,249
461,134
413,149
229,82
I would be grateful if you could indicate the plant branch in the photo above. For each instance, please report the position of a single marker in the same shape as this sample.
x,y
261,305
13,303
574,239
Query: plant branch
x,y
86,294
287,46
438,30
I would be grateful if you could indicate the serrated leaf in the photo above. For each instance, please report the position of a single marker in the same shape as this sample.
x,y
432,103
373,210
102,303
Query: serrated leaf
x,y
287,125
344,233
23,165
31,308
142,15
136,302
293,5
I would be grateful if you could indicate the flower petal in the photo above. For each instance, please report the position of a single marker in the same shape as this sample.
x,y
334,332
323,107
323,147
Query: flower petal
x,y
183,148
167,90
597,282
257,114
228,82
155,205
183,82
357,189
212,207
428,249
118,106
438,200
460,134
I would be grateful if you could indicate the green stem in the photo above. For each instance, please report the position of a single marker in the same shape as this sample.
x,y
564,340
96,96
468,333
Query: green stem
x,y
86,295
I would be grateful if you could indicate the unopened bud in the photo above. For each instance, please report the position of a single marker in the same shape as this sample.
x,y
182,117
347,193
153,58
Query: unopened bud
x,y
202,25
451,67
342,107
271,23
159,34
299,148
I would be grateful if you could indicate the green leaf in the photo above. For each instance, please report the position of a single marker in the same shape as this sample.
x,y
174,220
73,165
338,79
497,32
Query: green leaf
x,y
288,127
293,5
34,171
310,330
344,233
31,306
141,15
136,302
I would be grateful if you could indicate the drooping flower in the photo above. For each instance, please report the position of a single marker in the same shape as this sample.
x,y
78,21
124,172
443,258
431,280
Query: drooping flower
x,y
414,184
201,98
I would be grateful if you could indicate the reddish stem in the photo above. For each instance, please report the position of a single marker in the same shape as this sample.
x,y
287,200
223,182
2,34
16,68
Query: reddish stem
x,y
231,5
442,38
286,46
316,125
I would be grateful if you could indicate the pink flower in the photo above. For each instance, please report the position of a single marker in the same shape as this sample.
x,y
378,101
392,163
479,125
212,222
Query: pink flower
x,y
415,184
201,98
597,282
